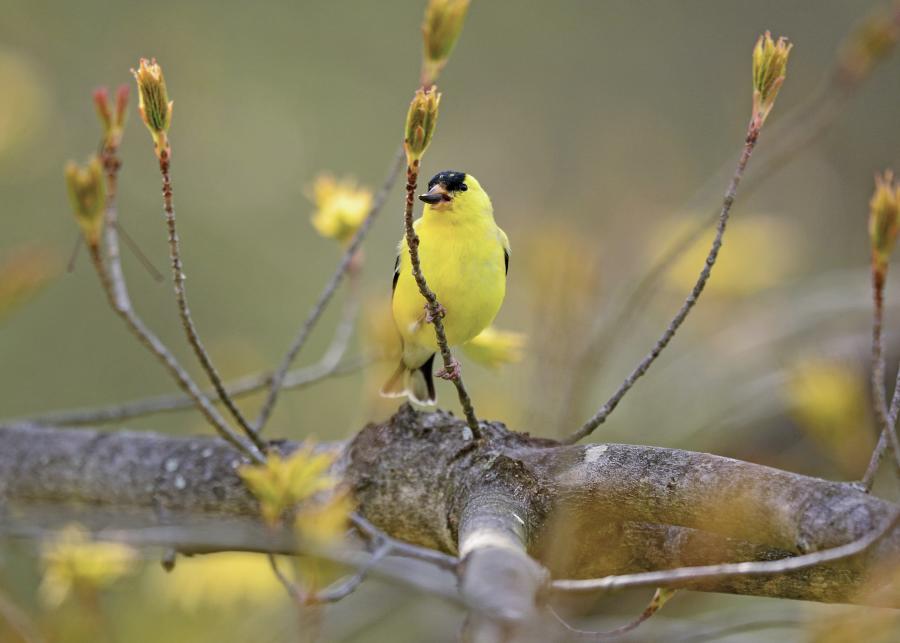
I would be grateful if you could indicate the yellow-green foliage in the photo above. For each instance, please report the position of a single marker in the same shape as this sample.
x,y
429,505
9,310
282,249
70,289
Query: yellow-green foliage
x,y
280,483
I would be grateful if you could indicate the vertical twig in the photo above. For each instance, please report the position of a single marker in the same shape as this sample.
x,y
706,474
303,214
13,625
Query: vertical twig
x,y
112,280
308,618
600,416
803,125
886,419
325,297
119,293
451,366
114,291
868,478
800,127
297,595
184,311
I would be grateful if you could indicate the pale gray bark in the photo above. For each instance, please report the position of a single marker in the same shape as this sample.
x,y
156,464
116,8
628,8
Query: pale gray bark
x,y
576,511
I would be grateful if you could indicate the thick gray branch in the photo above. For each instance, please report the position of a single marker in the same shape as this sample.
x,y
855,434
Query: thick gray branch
x,y
580,511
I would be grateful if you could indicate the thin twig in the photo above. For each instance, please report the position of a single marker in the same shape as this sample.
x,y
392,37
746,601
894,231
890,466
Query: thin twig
x,y
383,546
155,274
297,595
868,478
435,310
798,129
112,280
195,540
111,164
346,586
600,416
312,318
148,339
303,600
887,419
400,548
331,364
184,311
591,635
247,385
683,575
73,258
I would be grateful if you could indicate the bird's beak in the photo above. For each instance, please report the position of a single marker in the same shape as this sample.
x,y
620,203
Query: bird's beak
x,y
435,195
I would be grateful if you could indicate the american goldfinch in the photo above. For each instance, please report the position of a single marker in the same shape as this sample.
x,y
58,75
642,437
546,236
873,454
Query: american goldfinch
x,y
465,258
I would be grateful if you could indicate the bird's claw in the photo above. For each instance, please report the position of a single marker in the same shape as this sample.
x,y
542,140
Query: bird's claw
x,y
441,313
450,373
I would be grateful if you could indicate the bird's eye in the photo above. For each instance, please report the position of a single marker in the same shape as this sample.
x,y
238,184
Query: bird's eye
x,y
463,187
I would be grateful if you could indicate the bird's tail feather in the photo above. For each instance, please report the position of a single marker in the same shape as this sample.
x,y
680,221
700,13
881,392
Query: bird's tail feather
x,y
421,383
396,384
416,384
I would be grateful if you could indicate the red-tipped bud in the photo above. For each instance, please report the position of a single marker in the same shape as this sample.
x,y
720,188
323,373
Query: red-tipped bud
x,y
101,102
113,121
121,106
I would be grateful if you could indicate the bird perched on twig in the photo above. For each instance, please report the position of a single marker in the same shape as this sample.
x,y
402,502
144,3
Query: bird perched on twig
x,y
464,257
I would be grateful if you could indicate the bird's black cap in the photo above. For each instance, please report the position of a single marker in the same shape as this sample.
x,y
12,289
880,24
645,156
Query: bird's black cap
x,y
452,181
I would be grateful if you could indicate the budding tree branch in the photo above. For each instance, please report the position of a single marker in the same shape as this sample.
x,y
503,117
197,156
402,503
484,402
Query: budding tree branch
x,y
277,381
643,366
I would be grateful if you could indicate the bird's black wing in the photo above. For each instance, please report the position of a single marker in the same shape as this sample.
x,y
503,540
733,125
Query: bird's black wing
x,y
505,263
396,274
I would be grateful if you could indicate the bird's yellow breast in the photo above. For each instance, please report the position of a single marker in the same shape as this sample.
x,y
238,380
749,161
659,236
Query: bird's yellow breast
x,y
463,263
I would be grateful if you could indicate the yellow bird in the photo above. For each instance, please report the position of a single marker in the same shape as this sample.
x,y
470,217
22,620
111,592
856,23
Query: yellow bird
x,y
465,258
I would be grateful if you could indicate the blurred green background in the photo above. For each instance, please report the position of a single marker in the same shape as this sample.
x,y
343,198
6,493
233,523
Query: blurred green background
x,y
591,125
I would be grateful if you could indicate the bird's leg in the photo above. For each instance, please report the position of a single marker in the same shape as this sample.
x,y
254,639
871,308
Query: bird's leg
x,y
451,373
441,312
